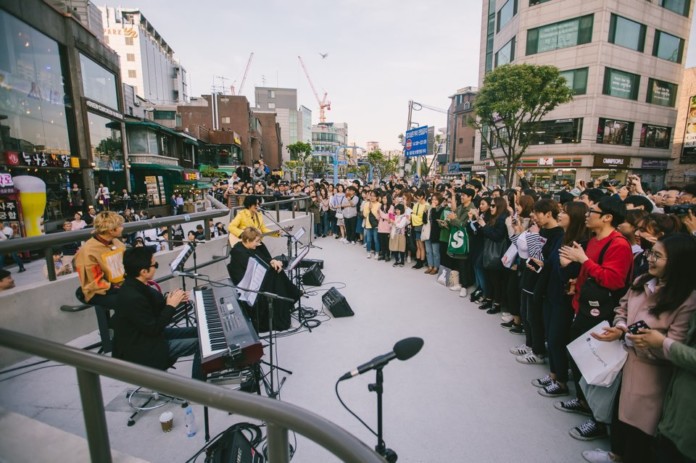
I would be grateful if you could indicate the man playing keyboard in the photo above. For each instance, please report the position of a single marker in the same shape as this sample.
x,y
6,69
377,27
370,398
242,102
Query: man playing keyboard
x,y
141,334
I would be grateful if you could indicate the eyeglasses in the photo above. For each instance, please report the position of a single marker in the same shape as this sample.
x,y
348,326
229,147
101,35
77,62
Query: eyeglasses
x,y
156,265
592,211
651,256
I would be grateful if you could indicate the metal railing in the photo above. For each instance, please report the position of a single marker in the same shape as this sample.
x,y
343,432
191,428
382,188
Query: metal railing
x,y
279,416
48,242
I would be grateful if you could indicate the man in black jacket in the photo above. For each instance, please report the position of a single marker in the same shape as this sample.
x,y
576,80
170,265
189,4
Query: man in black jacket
x,y
141,334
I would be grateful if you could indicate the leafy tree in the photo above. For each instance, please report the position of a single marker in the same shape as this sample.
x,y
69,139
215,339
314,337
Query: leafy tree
x,y
299,151
212,173
513,100
382,166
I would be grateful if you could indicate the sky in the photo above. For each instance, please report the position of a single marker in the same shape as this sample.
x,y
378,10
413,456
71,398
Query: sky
x,y
381,54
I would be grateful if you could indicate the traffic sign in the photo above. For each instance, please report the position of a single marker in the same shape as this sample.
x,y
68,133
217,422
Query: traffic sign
x,y
416,142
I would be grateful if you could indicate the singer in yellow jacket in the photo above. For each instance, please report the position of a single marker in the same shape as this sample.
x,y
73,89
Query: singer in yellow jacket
x,y
247,217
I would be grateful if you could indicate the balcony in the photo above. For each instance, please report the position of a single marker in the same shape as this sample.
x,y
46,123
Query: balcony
x,y
152,159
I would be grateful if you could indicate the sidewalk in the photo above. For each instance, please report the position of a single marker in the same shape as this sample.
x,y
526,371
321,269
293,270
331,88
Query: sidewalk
x,y
463,398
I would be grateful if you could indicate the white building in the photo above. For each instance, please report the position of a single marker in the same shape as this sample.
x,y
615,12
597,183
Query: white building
x,y
624,60
295,124
147,61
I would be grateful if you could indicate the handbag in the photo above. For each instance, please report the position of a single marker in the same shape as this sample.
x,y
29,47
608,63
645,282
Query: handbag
x,y
458,243
600,362
443,277
425,232
492,254
601,399
339,214
597,302
374,221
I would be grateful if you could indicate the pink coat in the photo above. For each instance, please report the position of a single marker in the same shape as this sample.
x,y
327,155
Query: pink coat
x,y
384,223
647,373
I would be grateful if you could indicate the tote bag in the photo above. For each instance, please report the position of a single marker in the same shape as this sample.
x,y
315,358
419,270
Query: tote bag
x,y
493,253
458,244
600,362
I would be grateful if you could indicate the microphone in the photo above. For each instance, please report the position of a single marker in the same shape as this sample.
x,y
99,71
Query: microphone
x,y
177,273
403,350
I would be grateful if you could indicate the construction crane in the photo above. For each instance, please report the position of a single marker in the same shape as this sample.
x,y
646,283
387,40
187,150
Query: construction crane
x,y
246,71
324,103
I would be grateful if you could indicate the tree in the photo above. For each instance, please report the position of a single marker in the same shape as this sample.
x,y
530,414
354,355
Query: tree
x,y
382,166
508,108
299,151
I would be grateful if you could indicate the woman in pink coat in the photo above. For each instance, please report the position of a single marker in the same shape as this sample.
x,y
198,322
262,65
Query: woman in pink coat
x,y
663,299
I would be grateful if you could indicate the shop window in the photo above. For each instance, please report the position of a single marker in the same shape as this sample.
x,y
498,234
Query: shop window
x,y
655,136
576,80
562,34
626,33
105,142
613,132
35,106
506,13
506,54
226,120
678,6
461,140
661,93
560,131
621,84
98,83
667,46
132,74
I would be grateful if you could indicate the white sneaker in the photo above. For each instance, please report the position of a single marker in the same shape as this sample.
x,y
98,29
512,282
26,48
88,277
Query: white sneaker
x,y
456,287
408,260
369,255
531,358
522,349
463,292
506,317
597,456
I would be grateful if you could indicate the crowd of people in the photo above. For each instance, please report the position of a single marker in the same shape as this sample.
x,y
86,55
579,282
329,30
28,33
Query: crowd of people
x,y
554,266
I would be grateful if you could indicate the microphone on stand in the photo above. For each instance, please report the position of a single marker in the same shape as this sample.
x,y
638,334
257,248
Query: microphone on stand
x,y
403,350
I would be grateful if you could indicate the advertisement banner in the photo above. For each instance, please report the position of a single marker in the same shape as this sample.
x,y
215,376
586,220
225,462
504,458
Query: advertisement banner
x,y
416,143
689,149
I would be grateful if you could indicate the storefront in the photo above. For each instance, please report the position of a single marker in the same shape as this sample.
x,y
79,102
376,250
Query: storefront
x,y
157,182
652,173
551,173
610,167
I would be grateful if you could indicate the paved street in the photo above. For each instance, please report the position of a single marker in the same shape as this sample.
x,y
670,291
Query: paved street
x,y
463,398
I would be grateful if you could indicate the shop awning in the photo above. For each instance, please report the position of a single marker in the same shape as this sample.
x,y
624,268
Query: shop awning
x,y
156,167
154,126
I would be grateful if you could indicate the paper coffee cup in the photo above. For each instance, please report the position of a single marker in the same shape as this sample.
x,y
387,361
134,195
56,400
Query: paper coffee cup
x,y
167,421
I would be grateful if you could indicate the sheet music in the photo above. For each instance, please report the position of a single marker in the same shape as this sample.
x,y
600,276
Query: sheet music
x,y
253,278
180,260
296,261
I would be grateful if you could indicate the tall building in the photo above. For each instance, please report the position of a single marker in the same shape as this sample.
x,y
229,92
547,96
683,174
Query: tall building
x,y
147,61
327,138
461,138
295,124
684,151
624,61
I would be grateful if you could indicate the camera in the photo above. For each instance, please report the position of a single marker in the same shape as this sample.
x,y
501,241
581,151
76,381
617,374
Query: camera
x,y
608,183
681,209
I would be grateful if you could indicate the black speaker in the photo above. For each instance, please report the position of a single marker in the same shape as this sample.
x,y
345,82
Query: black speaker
x,y
313,276
336,303
310,262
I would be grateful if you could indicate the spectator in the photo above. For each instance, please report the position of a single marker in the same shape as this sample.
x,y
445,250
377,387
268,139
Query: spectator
x,y
61,263
78,223
6,280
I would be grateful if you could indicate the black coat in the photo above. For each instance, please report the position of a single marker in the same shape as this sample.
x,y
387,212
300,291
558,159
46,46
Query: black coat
x,y
139,325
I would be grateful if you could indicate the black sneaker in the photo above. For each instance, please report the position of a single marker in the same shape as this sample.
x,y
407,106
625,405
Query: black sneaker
x,y
542,382
517,329
508,325
486,305
573,406
493,310
553,390
589,430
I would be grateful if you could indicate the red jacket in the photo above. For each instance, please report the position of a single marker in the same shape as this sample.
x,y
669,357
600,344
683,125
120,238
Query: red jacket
x,y
616,264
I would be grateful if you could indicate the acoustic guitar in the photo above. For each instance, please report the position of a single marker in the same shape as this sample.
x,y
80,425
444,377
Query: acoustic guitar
x,y
233,239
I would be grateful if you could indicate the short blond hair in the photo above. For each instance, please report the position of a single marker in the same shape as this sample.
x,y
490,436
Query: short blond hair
x,y
249,234
106,221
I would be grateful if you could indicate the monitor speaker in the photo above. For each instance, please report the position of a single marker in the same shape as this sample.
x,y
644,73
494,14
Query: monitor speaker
x,y
336,303
313,276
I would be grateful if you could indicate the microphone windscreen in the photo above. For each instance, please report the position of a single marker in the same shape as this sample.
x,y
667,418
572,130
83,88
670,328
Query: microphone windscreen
x,y
407,348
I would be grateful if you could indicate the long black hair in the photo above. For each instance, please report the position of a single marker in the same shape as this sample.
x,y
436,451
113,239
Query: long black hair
x,y
679,281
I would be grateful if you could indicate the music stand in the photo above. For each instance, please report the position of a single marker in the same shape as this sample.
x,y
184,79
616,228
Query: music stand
x,y
294,265
177,265
249,288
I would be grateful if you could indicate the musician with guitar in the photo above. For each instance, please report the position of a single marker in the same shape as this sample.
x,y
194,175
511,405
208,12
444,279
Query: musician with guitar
x,y
250,216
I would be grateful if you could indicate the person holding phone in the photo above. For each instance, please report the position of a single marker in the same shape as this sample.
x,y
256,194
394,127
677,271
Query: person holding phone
x,y
664,300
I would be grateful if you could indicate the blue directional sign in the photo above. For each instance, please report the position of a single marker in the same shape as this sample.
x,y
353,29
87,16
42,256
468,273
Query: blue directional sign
x,y
416,142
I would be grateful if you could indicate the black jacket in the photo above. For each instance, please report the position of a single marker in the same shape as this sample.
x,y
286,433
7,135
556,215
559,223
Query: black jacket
x,y
139,325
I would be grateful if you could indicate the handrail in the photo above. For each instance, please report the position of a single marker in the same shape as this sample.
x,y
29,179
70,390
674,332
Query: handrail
x,y
280,416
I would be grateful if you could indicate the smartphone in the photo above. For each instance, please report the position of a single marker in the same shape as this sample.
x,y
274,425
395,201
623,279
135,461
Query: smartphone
x,y
637,326
534,265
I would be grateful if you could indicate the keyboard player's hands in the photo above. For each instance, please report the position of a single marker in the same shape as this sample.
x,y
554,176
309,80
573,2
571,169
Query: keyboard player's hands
x,y
175,297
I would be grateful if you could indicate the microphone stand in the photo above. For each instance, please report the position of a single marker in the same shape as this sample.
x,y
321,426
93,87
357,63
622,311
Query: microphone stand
x,y
284,231
381,447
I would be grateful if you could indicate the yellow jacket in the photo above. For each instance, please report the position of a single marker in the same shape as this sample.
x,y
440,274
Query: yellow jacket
x,y
418,210
367,207
245,218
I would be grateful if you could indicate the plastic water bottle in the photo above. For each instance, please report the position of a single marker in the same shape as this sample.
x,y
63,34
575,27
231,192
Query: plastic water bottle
x,y
190,422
